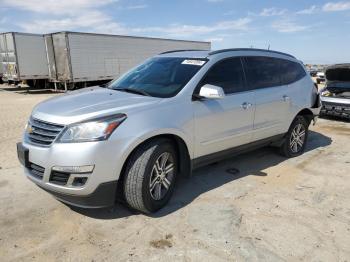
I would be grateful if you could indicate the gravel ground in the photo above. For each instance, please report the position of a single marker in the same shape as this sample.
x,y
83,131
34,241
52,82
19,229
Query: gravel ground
x,y
273,209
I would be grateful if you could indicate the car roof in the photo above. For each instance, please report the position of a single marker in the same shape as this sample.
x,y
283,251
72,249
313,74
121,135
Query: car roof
x,y
187,53
208,53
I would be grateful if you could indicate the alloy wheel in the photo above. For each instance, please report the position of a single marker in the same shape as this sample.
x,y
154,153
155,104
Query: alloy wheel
x,y
297,138
162,176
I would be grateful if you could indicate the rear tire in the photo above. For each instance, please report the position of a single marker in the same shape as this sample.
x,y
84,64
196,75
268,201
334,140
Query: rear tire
x,y
150,176
296,138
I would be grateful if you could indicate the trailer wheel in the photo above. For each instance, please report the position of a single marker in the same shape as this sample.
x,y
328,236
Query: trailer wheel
x,y
31,83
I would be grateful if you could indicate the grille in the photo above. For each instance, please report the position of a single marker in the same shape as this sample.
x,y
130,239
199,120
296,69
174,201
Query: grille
x,y
331,104
335,109
59,178
43,133
36,171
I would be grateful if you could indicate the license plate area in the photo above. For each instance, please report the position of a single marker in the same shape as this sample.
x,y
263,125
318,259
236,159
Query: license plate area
x,y
23,154
338,108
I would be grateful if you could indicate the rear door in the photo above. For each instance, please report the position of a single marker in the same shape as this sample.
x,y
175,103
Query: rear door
x,y
228,122
271,96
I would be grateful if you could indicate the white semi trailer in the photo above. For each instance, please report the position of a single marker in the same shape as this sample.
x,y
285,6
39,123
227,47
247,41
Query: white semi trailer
x,y
23,57
1,66
81,59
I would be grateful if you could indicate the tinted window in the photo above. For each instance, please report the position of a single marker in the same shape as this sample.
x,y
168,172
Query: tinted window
x,y
227,74
160,76
262,72
291,72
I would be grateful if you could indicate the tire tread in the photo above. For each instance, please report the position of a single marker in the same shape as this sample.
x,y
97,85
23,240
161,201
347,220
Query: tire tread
x,y
284,149
135,171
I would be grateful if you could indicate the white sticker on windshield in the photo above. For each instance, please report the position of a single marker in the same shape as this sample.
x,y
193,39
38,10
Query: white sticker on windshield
x,y
193,62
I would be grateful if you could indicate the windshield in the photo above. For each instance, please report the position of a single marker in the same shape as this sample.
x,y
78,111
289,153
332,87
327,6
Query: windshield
x,y
159,76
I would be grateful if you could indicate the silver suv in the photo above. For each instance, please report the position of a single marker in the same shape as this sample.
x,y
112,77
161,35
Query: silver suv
x,y
173,113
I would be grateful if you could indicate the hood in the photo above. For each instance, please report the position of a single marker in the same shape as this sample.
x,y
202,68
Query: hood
x,y
90,103
338,79
338,73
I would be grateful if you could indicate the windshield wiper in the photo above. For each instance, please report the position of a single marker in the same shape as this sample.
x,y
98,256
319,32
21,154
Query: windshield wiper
x,y
132,90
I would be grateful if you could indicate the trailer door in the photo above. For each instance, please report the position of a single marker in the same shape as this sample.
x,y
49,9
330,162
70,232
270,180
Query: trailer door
x,y
50,53
2,54
8,56
61,52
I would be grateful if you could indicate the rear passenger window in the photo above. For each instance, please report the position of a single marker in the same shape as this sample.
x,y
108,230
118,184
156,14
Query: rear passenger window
x,y
291,72
262,72
227,74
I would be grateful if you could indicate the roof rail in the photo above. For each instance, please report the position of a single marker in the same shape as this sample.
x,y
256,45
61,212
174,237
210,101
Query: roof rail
x,y
247,49
184,50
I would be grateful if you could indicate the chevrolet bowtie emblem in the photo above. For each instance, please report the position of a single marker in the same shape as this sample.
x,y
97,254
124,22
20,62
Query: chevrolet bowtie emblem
x,y
29,129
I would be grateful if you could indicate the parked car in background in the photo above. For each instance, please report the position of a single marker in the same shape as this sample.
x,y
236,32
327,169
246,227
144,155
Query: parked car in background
x,y
313,72
320,77
173,113
335,97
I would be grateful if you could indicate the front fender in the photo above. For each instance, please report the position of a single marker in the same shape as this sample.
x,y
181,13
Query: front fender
x,y
136,141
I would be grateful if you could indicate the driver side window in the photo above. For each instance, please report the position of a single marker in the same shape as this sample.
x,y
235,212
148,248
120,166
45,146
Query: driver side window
x,y
227,74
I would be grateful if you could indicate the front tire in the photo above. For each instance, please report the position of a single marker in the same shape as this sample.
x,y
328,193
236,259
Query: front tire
x,y
150,176
296,138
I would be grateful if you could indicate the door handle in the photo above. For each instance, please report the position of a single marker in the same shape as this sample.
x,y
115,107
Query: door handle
x,y
246,105
286,98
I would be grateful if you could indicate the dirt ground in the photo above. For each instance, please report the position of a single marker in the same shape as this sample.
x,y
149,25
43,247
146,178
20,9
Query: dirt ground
x,y
273,209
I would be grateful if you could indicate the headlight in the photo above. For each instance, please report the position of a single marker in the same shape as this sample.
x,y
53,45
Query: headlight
x,y
92,130
325,93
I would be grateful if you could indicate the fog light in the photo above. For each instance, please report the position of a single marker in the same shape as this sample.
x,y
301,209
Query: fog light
x,y
79,181
74,169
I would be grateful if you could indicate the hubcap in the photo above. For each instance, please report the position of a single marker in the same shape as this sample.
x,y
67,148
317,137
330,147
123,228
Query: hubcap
x,y
297,138
162,176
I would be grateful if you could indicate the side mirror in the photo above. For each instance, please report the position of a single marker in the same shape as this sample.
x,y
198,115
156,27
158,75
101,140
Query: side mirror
x,y
211,92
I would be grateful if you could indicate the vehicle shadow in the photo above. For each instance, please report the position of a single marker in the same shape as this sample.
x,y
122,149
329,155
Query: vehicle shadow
x,y
211,177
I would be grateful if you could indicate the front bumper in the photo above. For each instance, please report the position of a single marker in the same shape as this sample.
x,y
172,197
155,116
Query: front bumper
x,y
316,108
103,196
339,107
99,188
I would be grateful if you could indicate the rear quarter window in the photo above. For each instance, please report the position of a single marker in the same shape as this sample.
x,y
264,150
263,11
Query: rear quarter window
x,y
291,72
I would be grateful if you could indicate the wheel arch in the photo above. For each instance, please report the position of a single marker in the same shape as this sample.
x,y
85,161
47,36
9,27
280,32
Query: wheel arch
x,y
307,114
181,148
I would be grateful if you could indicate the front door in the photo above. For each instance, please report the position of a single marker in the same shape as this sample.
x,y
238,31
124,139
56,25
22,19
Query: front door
x,y
224,123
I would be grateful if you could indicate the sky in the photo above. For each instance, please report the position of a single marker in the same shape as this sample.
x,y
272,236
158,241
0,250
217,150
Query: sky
x,y
314,31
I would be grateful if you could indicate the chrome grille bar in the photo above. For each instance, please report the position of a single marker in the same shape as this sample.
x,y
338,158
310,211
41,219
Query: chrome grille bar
x,y
43,133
